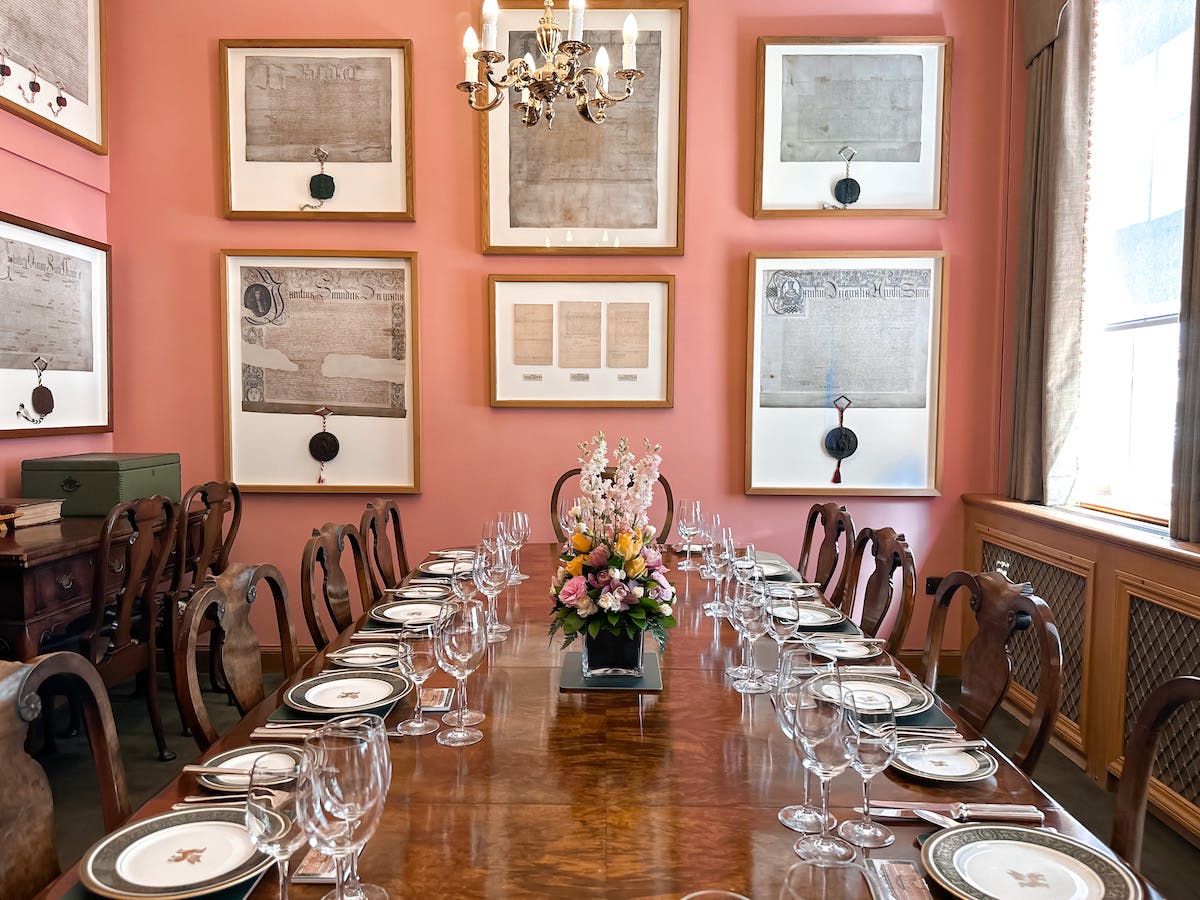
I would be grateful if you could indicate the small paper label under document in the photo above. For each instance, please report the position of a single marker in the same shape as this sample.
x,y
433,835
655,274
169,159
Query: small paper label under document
x,y
580,377
531,376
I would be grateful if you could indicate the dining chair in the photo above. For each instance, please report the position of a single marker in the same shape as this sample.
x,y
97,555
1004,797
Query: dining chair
x,y
323,581
383,538
1001,609
1141,749
837,544
203,547
660,537
887,553
228,598
119,634
29,859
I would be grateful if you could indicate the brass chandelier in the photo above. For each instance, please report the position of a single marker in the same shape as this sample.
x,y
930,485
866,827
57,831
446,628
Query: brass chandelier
x,y
561,73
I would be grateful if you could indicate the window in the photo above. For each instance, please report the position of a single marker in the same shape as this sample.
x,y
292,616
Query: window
x,y
1134,232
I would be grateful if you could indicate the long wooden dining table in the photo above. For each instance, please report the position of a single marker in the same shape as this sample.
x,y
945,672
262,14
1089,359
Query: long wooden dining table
x,y
605,794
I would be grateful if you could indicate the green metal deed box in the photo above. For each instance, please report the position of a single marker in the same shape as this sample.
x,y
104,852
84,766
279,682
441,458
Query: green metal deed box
x,y
93,483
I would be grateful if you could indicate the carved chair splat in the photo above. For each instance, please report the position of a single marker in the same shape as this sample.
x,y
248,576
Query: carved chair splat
x,y
838,530
383,536
884,552
323,582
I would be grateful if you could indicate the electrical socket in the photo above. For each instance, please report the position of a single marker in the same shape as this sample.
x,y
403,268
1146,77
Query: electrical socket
x,y
932,583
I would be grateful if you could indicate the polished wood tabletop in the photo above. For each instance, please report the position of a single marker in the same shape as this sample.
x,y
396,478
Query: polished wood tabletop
x,y
607,794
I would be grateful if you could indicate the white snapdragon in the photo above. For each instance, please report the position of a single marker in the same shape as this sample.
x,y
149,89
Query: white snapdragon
x,y
648,533
638,591
664,609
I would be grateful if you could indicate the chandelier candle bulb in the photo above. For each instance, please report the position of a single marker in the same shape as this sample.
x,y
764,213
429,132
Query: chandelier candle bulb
x,y
470,47
602,66
575,28
629,49
491,15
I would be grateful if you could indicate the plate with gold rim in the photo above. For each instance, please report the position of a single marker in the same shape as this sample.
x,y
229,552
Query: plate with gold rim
x,y
442,567
347,691
244,758
947,765
847,647
869,691
407,612
188,853
1006,862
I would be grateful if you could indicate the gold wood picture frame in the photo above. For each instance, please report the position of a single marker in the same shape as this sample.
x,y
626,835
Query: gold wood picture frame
x,y
301,119
284,385
644,139
855,127
824,327
582,340
68,66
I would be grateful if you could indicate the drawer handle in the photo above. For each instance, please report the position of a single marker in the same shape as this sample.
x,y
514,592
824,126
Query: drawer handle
x,y
65,581
117,565
69,484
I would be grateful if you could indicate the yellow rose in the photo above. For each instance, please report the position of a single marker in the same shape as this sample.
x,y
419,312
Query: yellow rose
x,y
575,566
635,567
581,542
624,546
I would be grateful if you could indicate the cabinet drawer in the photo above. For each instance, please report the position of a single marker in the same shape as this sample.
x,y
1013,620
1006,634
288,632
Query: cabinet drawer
x,y
64,582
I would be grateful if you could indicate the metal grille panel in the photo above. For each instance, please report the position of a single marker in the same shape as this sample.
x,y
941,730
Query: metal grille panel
x,y
1164,643
1066,594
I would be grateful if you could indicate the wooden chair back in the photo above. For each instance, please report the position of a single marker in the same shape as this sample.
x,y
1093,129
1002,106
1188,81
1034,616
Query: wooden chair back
x,y
205,547
229,597
837,544
1001,609
884,553
1140,752
669,496
383,538
323,582
29,860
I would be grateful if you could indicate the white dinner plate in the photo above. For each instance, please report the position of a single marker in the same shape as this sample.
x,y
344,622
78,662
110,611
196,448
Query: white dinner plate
x,y
188,853
845,648
407,612
420,592
1009,862
244,758
773,569
810,615
943,764
366,656
786,589
454,554
439,567
345,692
907,698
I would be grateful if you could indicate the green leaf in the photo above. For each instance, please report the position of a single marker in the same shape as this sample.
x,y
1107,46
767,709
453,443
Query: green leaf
x,y
668,622
594,627
638,614
613,618
572,623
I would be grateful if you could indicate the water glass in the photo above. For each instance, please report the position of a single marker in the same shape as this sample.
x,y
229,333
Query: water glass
x,y
718,557
749,617
688,524
805,881
783,620
460,641
371,727
517,533
421,664
491,570
271,815
871,742
796,667
820,726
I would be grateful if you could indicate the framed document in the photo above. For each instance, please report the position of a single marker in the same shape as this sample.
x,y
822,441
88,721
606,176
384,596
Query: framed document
x,y
844,373
318,129
582,340
579,188
54,51
321,370
55,338
852,126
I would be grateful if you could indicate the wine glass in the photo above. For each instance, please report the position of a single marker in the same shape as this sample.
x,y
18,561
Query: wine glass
x,y
340,795
717,557
749,615
871,741
460,641
804,881
783,619
820,726
371,727
462,578
490,570
516,530
744,564
421,664
688,525
271,815
796,668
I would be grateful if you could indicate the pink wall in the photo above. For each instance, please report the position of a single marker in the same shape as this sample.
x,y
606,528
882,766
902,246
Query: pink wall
x,y
165,223
56,183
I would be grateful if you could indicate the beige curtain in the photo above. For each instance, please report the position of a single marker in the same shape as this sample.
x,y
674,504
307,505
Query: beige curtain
x,y
1185,490
1057,39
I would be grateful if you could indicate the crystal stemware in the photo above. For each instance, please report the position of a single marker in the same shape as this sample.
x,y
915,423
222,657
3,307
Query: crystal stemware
x,y
796,668
490,570
783,620
688,524
749,615
421,664
871,741
371,727
820,725
272,818
460,641
516,536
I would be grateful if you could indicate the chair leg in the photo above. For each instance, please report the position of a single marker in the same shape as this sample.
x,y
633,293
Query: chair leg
x,y
75,707
164,755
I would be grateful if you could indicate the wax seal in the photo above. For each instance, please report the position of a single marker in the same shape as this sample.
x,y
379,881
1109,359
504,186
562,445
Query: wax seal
x,y
324,446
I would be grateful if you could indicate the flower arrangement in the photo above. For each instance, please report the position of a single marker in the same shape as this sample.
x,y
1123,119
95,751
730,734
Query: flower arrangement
x,y
611,578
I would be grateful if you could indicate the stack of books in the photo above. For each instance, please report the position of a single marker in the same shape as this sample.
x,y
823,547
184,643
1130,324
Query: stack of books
x,y
29,511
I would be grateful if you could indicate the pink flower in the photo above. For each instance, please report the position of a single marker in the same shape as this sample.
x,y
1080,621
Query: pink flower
x,y
615,599
653,557
575,589
598,558
601,579
659,577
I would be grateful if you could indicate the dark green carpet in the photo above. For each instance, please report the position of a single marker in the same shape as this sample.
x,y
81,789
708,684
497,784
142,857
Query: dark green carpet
x,y
1170,862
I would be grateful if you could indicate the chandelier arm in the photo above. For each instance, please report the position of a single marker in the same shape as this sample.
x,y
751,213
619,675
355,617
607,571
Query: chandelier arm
x,y
518,76
599,85
481,89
